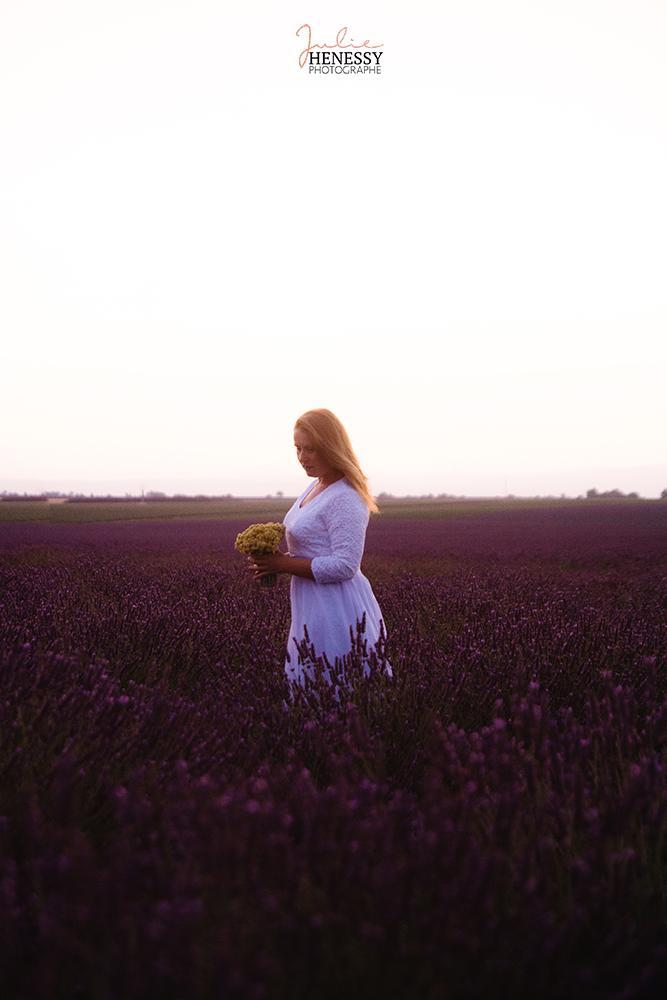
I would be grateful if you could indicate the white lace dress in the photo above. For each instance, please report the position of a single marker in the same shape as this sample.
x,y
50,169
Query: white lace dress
x,y
331,530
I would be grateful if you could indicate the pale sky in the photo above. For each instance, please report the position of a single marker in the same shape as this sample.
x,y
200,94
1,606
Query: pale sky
x,y
464,257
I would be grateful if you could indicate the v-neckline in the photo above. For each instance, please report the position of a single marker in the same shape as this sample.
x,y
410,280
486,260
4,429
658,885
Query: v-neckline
x,y
302,505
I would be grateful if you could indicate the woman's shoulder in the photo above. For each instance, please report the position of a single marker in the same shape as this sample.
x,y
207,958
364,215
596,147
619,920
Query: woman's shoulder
x,y
344,495
347,486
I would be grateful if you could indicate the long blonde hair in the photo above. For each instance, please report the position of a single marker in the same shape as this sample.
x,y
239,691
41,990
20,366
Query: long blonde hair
x,y
333,443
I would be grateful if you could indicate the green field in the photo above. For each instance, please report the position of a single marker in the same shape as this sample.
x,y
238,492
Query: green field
x,y
270,509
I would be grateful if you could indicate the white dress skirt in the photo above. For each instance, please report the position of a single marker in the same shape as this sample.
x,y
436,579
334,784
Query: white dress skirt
x,y
331,531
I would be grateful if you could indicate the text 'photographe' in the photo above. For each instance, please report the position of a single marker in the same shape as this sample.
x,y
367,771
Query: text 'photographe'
x,y
341,57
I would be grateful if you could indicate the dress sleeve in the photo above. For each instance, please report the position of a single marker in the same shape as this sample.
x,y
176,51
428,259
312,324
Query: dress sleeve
x,y
346,519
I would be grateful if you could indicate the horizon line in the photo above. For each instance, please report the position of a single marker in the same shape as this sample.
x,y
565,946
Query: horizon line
x,y
160,496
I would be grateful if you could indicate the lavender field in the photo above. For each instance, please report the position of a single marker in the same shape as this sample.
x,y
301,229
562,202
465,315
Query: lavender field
x,y
489,823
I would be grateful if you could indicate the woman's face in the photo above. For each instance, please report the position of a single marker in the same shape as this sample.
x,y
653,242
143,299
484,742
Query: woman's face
x,y
308,455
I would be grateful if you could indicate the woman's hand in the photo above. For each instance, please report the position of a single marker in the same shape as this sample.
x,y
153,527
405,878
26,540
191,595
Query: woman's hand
x,y
263,565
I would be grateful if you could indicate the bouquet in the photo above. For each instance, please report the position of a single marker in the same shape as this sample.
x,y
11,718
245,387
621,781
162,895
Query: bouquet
x,y
261,540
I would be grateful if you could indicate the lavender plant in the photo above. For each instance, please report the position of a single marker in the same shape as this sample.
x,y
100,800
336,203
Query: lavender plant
x,y
488,822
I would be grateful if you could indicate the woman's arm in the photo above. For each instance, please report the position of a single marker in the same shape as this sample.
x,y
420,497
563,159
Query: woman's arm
x,y
296,565
281,562
346,518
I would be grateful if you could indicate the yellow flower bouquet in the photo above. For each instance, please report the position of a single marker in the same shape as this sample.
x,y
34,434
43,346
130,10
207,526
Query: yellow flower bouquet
x,y
261,540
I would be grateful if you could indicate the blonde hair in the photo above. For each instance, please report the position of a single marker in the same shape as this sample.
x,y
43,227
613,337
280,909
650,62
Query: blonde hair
x,y
333,443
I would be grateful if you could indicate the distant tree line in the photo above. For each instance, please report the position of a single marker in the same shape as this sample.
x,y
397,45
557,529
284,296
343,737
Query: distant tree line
x,y
617,494
151,495
154,495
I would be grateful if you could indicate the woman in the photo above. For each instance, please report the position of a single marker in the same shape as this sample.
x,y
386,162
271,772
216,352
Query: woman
x,y
325,530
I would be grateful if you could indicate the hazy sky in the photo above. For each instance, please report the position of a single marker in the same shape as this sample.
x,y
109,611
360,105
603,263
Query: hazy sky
x,y
463,257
